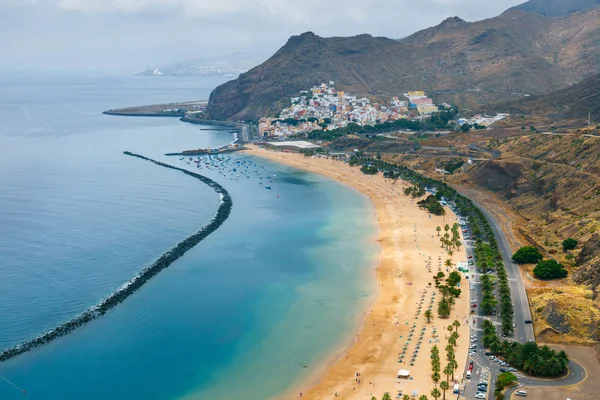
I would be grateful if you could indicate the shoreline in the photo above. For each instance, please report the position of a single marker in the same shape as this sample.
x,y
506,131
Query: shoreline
x,y
371,352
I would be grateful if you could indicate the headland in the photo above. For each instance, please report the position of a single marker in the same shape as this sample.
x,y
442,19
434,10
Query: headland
x,y
394,334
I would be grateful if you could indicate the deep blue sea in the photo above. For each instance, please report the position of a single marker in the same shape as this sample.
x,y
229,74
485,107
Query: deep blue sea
x,y
279,285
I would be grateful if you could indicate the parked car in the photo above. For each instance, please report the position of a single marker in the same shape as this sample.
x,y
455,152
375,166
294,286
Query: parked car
x,y
528,321
480,395
473,305
521,393
503,370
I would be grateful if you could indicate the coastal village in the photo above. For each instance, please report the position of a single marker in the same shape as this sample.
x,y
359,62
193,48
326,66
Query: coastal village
x,y
323,107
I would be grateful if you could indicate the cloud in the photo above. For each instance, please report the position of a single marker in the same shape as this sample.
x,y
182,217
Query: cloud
x,y
138,33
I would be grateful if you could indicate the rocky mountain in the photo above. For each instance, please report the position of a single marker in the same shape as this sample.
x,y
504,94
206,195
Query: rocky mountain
x,y
228,65
573,102
556,8
469,64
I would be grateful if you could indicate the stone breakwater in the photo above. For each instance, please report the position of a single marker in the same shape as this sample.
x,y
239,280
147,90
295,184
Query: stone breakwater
x,y
140,279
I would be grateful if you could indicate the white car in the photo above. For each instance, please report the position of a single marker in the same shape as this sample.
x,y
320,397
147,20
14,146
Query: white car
x,y
521,393
480,395
473,353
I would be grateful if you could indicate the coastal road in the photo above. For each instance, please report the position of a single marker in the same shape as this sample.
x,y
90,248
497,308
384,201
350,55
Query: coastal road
x,y
523,331
577,374
484,368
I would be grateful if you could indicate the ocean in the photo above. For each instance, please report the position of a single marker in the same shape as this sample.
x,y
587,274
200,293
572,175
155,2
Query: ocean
x,y
277,287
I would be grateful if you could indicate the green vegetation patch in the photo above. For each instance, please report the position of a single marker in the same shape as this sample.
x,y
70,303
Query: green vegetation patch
x,y
527,255
549,269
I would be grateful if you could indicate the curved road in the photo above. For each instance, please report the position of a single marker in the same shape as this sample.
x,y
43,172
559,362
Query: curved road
x,y
577,374
487,370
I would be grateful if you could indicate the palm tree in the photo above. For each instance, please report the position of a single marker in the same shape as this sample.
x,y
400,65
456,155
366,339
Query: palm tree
x,y
448,263
452,340
406,397
451,302
446,228
444,308
454,364
435,393
438,229
457,244
423,397
428,314
435,377
456,325
386,396
448,371
444,386
450,328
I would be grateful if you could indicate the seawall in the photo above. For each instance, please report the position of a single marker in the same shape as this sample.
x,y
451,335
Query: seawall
x,y
130,287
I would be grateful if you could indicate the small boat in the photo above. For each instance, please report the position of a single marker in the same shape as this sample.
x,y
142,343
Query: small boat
x,y
268,187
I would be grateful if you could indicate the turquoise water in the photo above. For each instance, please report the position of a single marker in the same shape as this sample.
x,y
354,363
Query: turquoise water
x,y
277,286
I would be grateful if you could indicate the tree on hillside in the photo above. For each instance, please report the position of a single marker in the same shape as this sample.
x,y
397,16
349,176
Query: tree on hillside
x,y
527,255
569,244
549,269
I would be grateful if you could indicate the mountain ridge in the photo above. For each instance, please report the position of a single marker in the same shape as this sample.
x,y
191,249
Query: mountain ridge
x,y
466,63
556,8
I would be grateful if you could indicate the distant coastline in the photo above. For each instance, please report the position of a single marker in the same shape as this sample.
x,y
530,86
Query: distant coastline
x,y
191,112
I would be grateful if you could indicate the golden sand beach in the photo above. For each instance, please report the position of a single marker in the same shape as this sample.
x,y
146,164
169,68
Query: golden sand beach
x,y
411,254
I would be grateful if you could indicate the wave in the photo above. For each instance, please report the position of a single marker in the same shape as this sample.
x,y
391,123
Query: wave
x,y
135,283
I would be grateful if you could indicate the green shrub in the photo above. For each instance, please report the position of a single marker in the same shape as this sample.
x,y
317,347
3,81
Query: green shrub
x,y
549,269
569,244
527,255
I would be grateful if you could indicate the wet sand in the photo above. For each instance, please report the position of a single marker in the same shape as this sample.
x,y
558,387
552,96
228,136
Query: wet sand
x,y
411,254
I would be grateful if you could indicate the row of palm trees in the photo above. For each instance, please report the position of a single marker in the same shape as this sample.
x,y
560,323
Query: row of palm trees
x,y
528,357
451,366
449,242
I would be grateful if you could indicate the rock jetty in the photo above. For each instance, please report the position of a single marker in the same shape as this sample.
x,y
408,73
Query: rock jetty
x,y
140,279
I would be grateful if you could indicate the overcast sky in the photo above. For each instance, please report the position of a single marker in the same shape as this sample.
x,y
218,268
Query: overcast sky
x,y
130,35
